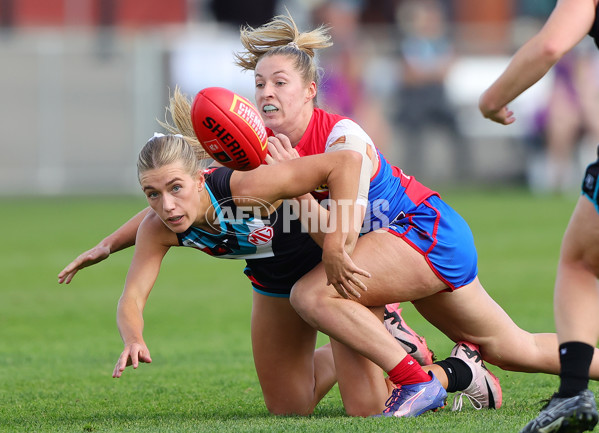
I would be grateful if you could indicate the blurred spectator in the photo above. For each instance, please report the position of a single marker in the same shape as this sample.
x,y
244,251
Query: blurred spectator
x,y
378,11
539,9
426,54
343,88
243,12
567,125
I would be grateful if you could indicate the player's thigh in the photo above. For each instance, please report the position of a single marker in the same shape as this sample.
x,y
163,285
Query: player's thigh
x,y
581,240
398,272
283,347
469,313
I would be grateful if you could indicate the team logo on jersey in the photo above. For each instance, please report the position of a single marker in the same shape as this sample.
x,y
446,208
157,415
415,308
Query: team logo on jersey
x,y
261,236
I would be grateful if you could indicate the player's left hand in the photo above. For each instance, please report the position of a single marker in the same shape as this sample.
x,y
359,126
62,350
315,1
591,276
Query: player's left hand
x,y
342,274
280,149
88,258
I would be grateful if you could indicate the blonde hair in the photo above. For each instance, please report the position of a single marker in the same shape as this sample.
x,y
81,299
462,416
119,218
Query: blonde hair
x,y
181,145
179,110
281,36
162,150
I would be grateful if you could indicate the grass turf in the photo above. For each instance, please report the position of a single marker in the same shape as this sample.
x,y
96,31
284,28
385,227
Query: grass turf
x,y
58,344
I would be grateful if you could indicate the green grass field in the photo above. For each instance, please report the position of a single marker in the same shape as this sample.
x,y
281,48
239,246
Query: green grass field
x,y
58,344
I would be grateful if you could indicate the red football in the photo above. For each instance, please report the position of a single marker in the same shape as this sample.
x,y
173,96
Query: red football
x,y
229,128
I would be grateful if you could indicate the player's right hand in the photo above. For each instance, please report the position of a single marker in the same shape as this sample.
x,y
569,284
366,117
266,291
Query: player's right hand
x,y
342,274
133,354
88,258
502,115
280,149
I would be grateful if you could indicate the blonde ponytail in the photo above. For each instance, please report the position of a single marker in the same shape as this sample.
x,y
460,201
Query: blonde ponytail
x,y
179,110
281,36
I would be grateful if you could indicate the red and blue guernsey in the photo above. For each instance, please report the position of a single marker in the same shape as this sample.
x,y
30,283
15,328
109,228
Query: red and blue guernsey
x,y
392,193
400,205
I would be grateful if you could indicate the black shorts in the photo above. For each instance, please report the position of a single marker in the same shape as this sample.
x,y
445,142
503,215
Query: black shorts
x,y
590,183
282,291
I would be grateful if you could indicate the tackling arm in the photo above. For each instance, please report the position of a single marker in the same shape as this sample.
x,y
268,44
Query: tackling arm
x,y
296,177
356,144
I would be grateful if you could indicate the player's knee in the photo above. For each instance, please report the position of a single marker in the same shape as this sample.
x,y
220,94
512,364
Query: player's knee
x,y
303,300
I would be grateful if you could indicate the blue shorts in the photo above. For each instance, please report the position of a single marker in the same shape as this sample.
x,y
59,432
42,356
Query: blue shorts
x,y
443,237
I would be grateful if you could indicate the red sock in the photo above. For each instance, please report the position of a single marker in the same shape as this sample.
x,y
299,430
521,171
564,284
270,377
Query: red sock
x,y
408,372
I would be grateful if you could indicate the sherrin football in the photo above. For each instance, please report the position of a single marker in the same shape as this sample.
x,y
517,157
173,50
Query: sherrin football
x,y
229,128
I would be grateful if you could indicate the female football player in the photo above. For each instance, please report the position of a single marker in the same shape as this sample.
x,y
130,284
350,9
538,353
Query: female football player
x,y
284,97
426,254
576,298
203,212
280,338
211,213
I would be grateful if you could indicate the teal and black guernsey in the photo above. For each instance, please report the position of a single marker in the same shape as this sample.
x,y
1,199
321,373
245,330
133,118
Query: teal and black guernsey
x,y
276,249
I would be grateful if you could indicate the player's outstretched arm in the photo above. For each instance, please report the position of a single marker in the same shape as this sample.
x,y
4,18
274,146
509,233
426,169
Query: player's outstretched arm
x,y
153,242
122,238
567,25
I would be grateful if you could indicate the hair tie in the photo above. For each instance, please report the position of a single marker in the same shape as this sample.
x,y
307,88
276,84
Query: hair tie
x,y
160,134
293,45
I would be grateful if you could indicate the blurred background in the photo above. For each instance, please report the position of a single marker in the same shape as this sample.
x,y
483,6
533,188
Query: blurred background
x,y
82,83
